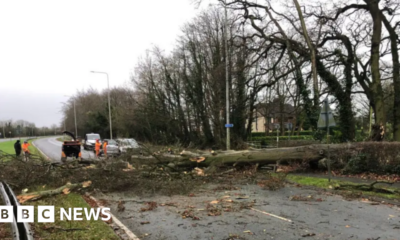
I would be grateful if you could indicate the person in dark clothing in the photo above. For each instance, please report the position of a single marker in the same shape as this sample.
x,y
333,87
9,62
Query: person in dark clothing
x,y
17,147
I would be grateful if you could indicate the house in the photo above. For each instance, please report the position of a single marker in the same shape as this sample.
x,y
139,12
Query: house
x,y
270,116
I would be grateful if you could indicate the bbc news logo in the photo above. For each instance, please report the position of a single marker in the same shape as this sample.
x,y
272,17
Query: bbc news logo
x,y
47,214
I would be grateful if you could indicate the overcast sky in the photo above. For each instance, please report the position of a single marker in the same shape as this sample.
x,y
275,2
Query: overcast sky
x,y
48,48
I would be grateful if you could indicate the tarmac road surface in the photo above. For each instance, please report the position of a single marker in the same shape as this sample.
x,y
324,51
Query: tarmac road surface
x,y
52,148
323,216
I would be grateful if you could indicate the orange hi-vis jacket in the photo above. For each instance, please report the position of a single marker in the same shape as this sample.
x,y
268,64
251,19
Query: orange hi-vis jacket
x,y
105,147
97,146
25,147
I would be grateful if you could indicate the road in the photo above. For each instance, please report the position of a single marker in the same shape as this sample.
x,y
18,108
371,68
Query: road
x,y
320,215
51,147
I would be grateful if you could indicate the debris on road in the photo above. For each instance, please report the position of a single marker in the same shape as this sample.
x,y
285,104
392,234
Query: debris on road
x,y
121,206
150,206
308,235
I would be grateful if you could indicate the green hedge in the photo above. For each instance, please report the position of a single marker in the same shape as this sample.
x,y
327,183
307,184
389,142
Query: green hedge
x,y
258,134
273,138
262,134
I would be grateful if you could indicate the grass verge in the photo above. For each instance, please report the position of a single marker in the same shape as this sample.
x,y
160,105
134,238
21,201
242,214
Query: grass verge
x,y
85,229
325,184
7,147
62,139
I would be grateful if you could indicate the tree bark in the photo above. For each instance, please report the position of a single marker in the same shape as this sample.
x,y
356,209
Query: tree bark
x,y
396,77
312,50
376,86
64,189
233,158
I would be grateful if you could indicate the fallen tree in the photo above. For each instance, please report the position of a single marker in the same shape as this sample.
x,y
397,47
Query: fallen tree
x,y
211,159
366,156
63,189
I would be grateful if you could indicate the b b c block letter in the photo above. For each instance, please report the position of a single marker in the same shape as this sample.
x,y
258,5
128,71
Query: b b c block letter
x,y
25,213
6,214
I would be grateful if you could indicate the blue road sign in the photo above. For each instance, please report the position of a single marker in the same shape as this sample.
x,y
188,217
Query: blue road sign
x,y
229,125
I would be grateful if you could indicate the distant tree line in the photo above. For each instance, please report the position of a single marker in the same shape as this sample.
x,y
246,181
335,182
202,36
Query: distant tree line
x,y
21,128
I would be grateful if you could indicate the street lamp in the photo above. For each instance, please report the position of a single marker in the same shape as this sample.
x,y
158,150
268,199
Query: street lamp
x,y
76,128
109,106
228,138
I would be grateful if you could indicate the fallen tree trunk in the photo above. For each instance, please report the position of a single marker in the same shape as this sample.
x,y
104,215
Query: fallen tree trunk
x,y
213,160
229,158
64,189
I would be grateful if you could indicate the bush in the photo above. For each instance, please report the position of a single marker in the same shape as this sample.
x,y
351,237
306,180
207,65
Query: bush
x,y
358,164
374,157
273,133
273,138
258,134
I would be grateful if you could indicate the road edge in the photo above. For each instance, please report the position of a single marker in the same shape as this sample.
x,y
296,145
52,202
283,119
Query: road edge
x,y
41,152
117,222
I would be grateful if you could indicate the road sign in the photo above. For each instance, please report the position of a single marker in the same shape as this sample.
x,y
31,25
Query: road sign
x,y
289,126
322,121
229,125
326,120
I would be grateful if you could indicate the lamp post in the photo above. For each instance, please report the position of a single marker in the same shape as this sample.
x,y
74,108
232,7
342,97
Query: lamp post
x,y
109,106
228,138
76,127
64,130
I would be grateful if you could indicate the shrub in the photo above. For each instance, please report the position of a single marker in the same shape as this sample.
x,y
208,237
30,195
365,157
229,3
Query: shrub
x,y
375,157
273,138
358,164
258,134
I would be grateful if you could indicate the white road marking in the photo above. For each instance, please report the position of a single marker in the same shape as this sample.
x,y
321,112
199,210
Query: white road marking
x,y
128,232
54,141
47,157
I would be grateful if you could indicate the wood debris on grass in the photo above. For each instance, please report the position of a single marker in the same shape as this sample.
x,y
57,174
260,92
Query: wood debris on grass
x,y
61,190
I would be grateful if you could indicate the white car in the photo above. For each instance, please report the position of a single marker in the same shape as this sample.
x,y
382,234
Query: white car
x,y
125,144
90,140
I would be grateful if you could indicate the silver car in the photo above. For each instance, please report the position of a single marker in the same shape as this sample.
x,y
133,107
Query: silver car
x,y
112,147
125,144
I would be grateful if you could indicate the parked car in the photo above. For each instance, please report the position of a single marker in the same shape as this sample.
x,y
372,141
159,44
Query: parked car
x,y
126,144
90,140
112,148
